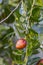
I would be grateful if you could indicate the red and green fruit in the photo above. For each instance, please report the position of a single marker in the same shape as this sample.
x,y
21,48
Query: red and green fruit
x,y
40,62
21,43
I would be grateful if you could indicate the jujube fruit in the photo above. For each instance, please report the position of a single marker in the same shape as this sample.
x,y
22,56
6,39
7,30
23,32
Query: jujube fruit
x,y
40,62
21,43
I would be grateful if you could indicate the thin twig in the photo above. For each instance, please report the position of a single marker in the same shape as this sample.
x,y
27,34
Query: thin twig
x,y
31,9
10,13
29,23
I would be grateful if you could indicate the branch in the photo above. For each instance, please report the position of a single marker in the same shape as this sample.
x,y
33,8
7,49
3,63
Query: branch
x,y
10,13
31,9
30,12
26,56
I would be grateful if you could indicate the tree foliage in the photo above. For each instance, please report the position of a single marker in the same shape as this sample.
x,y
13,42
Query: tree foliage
x,y
16,20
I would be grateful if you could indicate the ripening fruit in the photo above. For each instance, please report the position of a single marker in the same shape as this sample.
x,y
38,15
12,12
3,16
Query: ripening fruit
x,y
40,62
21,43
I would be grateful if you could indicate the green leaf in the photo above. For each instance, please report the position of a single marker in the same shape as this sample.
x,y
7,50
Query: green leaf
x,y
39,2
6,37
18,52
14,2
7,33
18,59
33,60
17,14
1,61
28,4
35,15
36,44
15,57
3,28
29,48
7,11
32,34
33,43
35,52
